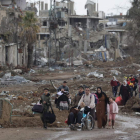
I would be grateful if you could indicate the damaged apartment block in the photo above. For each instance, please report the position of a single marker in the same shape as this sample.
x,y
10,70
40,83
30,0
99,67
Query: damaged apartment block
x,y
77,37
12,52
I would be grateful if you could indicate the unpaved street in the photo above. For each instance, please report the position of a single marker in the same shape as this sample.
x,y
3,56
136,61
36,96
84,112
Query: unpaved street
x,y
127,128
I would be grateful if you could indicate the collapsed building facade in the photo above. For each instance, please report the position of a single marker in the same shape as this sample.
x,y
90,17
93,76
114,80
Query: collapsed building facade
x,y
11,50
78,36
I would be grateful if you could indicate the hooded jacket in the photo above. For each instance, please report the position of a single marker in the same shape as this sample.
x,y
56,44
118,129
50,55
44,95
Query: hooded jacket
x,y
115,108
45,98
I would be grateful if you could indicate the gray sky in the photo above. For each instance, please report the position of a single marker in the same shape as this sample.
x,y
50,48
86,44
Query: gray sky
x,y
108,6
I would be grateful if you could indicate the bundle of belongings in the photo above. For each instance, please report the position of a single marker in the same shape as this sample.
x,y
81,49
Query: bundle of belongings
x,y
62,100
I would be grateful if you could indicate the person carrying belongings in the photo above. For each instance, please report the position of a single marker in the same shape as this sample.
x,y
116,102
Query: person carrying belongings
x,y
115,84
125,92
45,101
64,86
63,101
112,110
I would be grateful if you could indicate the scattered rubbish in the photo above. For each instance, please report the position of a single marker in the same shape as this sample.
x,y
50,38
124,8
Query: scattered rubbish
x,y
32,71
6,76
95,74
115,72
17,71
8,79
77,62
61,72
51,69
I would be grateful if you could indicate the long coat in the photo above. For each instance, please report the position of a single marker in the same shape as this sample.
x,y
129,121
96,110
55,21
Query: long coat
x,y
101,110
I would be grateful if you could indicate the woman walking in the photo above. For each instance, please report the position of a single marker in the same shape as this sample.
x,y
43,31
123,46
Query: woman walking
x,y
101,108
115,84
125,92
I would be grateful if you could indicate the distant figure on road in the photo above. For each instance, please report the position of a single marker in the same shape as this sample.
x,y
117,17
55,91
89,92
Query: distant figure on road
x,y
63,87
125,92
45,101
115,84
101,108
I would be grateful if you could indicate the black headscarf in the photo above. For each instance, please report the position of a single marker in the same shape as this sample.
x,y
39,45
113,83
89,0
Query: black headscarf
x,y
101,94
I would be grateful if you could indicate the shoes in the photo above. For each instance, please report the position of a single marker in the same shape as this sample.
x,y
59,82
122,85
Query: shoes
x,y
45,126
72,127
78,125
113,127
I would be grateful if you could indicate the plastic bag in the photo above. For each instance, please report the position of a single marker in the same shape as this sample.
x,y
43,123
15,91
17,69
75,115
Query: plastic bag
x,y
119,100
66,121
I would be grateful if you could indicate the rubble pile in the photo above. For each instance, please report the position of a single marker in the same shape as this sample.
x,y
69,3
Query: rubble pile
x,y
133,104
24,96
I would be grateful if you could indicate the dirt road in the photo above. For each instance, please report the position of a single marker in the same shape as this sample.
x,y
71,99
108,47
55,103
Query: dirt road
x,y
127,128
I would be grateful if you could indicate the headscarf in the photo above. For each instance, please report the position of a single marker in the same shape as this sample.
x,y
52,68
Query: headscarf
x,y
114,78
102,93
99,94
125,83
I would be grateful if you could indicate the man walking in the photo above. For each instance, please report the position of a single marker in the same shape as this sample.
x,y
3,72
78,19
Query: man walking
x,y
45,101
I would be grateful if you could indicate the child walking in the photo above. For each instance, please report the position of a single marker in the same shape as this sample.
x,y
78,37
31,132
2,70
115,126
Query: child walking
x,y
112,109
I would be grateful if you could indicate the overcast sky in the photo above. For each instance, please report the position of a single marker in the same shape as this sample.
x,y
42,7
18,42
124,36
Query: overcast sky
x,y
108,6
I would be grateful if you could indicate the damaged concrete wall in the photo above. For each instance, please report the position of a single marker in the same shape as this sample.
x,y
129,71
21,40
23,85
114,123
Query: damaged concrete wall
x,y
2,55
2,14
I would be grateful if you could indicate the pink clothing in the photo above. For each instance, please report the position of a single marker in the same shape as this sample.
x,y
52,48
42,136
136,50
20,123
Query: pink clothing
x,y
112,116
112,108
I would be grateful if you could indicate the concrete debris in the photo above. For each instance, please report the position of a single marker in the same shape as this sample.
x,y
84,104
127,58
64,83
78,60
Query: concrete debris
x,y
78,63
95,74
136,65
7,76
32,71
4,92
17,71
61,72
51,69
115,72
8,79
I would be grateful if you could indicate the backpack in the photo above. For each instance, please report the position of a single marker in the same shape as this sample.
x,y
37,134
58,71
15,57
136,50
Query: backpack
x,y
96,98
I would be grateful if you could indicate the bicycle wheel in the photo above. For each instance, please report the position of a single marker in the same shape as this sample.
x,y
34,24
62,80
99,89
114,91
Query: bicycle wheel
x,y
89,122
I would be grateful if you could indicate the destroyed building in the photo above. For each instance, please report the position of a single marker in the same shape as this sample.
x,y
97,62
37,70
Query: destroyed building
x,y
11,50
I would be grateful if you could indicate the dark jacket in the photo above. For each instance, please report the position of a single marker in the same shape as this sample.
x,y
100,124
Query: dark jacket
x,y
124,91
48,103
66,88
63,97
77,98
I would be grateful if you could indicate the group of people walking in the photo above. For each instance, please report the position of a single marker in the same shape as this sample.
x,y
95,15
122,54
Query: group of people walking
x,y
101,107
128,88
98,104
